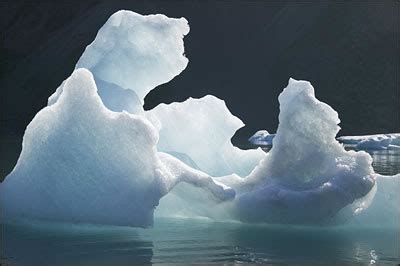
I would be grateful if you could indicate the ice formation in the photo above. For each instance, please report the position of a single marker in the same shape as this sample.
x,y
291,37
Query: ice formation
x,y
137,52
113,97
262,138
202,129
384,208
307,176
373,142
81,162
94,155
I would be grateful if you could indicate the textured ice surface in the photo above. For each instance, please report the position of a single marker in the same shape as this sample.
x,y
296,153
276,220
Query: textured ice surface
x,y
307,176
95,156
262,138
384,208
113,97
81,162
137,52
373,142
202,129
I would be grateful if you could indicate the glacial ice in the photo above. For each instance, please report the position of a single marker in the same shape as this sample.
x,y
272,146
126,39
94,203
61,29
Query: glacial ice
x,y
81,162
307,176
373,142
93,155
262,138
202,129
113,97
137,52
384,208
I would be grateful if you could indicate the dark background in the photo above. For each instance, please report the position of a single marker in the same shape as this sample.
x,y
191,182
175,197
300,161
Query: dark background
x,y
241,51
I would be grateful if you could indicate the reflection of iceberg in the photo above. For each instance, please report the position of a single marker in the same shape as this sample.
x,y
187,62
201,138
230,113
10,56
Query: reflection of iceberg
x,y
42,243
262,138
86,160
373,142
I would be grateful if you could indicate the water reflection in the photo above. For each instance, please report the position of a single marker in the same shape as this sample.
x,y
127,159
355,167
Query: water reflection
x,y
44,244
207,242
386,162
174,241
313,245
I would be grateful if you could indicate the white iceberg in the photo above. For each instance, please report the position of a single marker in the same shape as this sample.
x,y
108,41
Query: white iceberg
x,y
262,138
372,142
81,162
307,177
93,155
137,52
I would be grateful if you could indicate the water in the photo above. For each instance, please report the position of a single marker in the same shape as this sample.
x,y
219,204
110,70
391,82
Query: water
x,y
386,162
172,241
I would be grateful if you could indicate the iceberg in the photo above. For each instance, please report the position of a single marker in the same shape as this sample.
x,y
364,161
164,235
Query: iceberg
x,y
199,132
94,155
81,162
307,177
262,138
372,142
132,54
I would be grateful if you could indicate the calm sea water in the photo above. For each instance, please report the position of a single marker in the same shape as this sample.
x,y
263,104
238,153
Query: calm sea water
x,y
195,241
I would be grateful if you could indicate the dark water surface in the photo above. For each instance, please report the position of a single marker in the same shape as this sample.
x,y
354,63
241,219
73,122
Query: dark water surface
x,y
386,162
196,241
173,241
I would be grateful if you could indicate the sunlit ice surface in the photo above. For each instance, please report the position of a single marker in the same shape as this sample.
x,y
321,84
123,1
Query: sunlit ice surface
x,y
94,156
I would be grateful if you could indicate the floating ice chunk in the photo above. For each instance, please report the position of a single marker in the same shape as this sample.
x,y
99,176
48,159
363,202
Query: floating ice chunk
x,y
202,129
372,142
81,162
137,52
307,176
262,138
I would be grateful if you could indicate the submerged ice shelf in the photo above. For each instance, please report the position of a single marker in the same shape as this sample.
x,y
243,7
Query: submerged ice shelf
x,y
94,155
